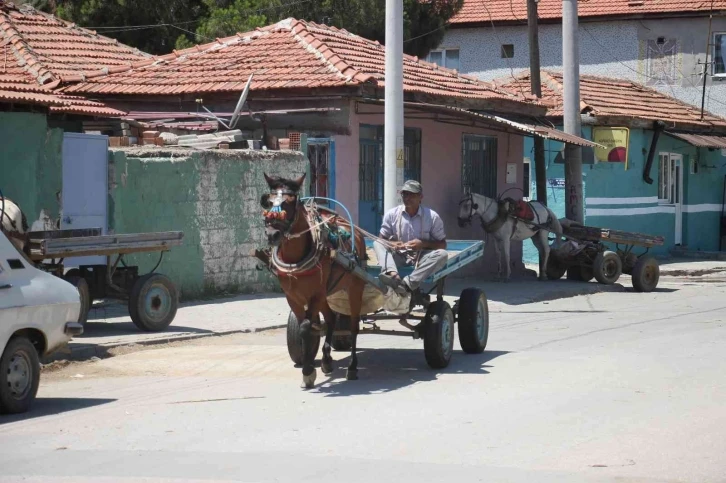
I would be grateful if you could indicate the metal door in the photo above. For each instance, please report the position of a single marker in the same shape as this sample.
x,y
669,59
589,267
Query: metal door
x,y
370,176
676,166
85,187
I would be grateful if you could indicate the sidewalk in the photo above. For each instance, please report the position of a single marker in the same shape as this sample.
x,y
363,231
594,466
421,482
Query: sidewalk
x,y
110,325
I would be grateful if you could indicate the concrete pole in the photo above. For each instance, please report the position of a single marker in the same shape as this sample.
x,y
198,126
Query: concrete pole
x,y
536,87
393,141
574,209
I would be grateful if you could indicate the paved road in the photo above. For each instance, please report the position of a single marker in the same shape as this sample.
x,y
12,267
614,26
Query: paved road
x,y
609,387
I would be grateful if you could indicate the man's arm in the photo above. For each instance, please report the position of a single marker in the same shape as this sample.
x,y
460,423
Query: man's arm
x,y
437,234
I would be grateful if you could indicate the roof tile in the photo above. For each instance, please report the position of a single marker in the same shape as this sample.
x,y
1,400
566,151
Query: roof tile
x,y
479,11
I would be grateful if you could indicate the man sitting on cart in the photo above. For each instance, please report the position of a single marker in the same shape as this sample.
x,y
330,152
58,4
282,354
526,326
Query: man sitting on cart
x,y
414,236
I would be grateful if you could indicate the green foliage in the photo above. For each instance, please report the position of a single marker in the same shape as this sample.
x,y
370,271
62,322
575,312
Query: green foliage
x,y
199,21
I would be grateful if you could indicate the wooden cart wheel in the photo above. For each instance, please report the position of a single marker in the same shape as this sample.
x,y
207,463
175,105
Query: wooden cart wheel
x,y
438,334
294,340
473,319
646,274
85,293
342,342
607,267
153,302
555,269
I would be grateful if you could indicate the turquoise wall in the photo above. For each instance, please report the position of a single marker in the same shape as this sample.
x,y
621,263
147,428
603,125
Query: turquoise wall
x,y
30,162
618,198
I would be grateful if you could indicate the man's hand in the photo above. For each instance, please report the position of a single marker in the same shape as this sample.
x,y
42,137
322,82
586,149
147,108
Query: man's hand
x,y
418,245
415,245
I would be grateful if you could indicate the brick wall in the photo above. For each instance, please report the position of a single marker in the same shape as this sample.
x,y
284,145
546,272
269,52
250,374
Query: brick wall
x,y
213,197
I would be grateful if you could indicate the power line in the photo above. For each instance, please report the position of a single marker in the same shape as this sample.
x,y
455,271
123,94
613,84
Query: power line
x,y
506,58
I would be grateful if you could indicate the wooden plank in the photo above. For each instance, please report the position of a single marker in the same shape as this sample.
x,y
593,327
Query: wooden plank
x,y
105,245
596,234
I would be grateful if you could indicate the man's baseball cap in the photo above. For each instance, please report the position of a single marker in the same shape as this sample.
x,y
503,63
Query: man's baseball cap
x,y
412,186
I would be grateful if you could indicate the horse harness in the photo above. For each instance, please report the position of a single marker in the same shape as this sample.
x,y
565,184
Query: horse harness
x,y
502,214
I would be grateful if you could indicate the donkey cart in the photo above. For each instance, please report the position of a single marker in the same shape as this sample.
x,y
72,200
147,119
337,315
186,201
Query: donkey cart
x,y
585,254
435,319
152,298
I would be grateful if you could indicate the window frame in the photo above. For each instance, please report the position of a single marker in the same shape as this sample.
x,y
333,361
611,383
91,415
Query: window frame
x,y
443,57
721,74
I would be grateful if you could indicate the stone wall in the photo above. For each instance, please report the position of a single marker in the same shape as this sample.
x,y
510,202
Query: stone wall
x,y
213,197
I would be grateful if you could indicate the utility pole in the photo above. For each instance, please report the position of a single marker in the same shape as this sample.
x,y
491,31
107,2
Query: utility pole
x,y
393,132
571,80
536,87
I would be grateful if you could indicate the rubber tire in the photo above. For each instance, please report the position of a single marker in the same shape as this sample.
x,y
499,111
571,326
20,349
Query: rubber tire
x,y
85,293
342,343
469,305
604,262
136,302
640,274
8,403
438,313
294,340
555,269
582,273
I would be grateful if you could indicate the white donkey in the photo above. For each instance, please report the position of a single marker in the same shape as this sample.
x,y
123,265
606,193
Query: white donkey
x,y
498,220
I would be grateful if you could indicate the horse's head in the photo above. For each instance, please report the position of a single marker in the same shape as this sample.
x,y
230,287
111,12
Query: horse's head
x,y
281,207
467,210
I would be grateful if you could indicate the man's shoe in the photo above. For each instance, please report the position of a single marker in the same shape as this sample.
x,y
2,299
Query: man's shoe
x,y
396,284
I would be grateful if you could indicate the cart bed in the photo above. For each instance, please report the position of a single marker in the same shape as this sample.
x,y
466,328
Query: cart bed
x,y
86,242
595,234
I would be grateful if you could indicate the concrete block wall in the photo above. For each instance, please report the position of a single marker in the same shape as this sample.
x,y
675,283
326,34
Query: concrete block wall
x,y
213,197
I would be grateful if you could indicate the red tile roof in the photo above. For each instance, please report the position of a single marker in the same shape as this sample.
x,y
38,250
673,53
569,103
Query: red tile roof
x,y
289,54
53,50
478,11
604,97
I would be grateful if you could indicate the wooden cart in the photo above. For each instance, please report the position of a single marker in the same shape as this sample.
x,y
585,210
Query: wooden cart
x,y
585,253
152,298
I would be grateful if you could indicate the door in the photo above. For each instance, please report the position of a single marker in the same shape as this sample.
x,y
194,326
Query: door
x,y
677,172
370,180
321,153
85,187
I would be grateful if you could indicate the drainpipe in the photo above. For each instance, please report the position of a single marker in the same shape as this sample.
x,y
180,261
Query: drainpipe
x,y
658,127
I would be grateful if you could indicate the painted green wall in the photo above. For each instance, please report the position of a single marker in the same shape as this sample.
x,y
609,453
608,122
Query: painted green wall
x,y
213,197
30,162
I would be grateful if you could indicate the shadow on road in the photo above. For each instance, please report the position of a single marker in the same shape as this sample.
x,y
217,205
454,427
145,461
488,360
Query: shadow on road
x,y
114,329
48,406
386,370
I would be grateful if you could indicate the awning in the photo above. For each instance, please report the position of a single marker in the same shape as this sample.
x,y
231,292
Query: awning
x,y
488,119
701,140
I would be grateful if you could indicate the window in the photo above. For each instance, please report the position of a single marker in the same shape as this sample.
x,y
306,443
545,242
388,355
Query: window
x,y
719,54
479,165
507,51
526,183
448,58
319,156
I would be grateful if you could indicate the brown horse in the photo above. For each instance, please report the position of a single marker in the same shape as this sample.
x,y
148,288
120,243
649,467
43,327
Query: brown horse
x,y
307,274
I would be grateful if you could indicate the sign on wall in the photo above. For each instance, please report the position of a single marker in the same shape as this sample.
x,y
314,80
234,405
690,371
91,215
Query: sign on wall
x,y
615,140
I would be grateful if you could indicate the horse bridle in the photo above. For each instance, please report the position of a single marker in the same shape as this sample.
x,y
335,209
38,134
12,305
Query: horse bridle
x,y
470,198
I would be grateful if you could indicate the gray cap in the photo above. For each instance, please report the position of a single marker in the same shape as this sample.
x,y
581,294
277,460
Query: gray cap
x,y
412,186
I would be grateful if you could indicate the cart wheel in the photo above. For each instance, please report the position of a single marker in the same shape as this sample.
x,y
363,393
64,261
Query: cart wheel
x,y
438,335
555,269
646,274
582,273
607,267
473,321
19,376
342,342
294,340
83,290
153,302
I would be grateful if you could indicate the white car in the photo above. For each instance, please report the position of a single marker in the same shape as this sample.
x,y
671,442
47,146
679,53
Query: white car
x,y
38,315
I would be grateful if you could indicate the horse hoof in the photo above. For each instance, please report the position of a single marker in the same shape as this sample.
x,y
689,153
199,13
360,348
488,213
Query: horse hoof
x,y
351,374
327,366
543,279
309,380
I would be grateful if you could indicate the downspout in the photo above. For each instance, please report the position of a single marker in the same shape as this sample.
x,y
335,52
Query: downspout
x,y
658,127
